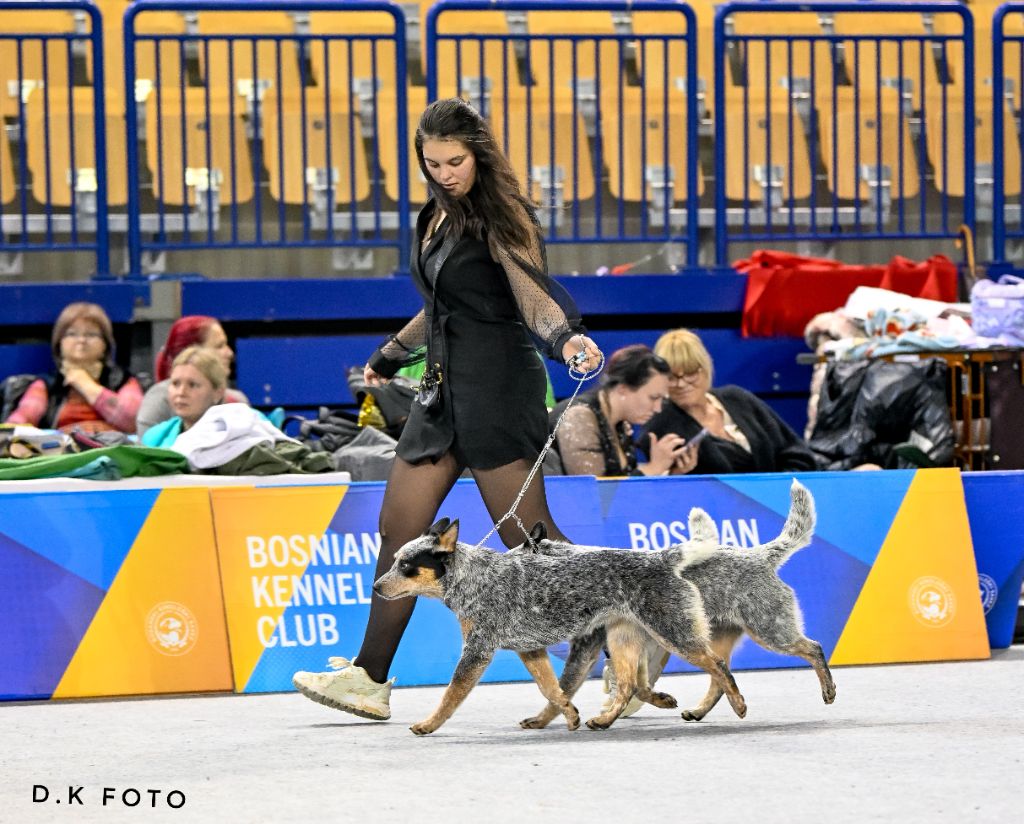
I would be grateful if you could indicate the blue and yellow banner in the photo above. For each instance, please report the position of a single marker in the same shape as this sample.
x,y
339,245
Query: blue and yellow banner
x,y
110,593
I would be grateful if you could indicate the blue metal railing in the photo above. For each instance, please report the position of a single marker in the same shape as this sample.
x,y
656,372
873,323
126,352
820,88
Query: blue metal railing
x,y
246,102
84,220
547,135
1004,42
844,114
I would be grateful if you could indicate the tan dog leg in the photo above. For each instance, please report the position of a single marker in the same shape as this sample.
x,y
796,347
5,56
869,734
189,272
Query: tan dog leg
x,y
539,666
722,646
626,647
467,674
582,657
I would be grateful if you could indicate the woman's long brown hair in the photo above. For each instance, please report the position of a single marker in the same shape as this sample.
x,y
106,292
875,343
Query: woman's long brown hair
x,y
495,209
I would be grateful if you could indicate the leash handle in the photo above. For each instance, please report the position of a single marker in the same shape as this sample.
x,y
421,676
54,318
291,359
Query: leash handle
x,y
581,377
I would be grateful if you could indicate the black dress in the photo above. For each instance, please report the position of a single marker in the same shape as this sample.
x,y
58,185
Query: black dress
x,y
476,323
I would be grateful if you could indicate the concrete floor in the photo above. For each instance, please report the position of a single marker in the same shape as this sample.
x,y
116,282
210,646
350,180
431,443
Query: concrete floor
x,y
931,742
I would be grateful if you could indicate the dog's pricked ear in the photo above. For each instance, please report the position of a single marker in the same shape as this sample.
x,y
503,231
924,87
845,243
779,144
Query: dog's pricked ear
x,y
439,527
702,528
448,537
538,533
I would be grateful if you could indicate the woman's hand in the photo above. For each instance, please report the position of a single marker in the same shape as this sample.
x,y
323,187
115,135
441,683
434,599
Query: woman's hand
x,y
581,343
83,382
665,452
686,459
372,378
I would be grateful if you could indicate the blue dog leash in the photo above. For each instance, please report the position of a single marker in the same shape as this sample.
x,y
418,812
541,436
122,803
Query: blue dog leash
x,y
581,377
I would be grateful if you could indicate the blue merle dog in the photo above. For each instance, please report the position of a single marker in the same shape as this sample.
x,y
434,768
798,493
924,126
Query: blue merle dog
x,y
741,592
525,602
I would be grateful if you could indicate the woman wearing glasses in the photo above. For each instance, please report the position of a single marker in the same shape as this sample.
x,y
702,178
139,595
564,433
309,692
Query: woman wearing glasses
x,y
596,436
743,433
88,391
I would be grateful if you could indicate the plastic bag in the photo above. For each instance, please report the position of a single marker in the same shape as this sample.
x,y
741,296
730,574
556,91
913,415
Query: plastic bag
x,y
997,309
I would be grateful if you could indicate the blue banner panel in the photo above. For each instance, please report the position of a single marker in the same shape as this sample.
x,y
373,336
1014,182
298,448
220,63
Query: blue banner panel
x,y
995,509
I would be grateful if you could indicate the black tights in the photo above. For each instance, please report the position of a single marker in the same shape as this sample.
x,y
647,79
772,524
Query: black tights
x,y
412,498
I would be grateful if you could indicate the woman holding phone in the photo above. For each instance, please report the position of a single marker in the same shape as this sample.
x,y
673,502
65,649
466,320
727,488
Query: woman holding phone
x,y
596,435
743,433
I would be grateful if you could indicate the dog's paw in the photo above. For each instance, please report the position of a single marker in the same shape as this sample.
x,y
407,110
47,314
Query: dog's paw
x,y
423,728
598,723
535,722
663,700
692,715
829,695
572,718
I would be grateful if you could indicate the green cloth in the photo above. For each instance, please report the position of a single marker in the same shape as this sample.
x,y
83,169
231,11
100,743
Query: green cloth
x,y
130,461
281,458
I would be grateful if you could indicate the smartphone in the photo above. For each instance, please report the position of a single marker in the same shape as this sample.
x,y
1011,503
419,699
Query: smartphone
x,y
696,439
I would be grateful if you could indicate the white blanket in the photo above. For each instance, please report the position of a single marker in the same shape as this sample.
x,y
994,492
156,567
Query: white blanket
x,y
225,432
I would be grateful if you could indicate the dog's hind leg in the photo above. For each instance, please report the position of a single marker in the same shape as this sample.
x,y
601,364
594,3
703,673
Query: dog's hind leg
x,y
774,622
467,673
681,627
722,644
539,666
652,662
626,647
582,656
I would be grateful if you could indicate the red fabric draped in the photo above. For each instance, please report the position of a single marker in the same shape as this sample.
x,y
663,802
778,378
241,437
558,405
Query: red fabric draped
x,y
785,291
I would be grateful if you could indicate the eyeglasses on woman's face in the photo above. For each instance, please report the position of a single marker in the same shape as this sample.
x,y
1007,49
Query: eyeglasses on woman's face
x,y
680,378
81,334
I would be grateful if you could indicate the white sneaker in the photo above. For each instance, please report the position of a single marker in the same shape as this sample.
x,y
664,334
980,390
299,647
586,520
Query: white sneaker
x,y
611,687
349,689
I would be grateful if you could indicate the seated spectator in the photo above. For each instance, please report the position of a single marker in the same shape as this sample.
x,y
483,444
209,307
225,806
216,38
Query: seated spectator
x,y
596,435
198,381
191,330
744,433
88,391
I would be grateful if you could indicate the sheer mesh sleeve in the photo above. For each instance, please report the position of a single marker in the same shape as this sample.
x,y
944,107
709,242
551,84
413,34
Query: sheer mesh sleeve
x,y
545,307
403,349
579,442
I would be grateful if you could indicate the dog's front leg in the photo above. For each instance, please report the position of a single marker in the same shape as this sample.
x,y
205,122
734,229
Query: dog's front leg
x,y
582,656
539,666
471,666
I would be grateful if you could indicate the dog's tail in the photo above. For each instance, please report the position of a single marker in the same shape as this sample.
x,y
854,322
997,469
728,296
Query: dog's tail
x,y
798,529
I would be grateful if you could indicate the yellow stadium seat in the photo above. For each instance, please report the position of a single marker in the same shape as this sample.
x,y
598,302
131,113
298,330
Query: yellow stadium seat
x,y
7,179
328,124
547,144
948,159
182,168
870,132
772,148
883,63
57,64
481,71
59,123
779,67
663,134
663,63
169,69
239,64
387,142
555,63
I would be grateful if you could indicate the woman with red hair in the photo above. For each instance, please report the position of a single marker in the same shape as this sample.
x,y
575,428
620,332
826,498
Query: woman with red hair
x,y
88,391
191,330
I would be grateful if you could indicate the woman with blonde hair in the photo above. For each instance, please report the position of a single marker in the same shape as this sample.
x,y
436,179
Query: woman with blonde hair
x,y
88,391
744,434
197,381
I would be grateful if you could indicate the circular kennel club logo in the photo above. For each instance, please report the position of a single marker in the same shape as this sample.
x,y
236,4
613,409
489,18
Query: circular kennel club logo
x,y
932,601
171,628
989,591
